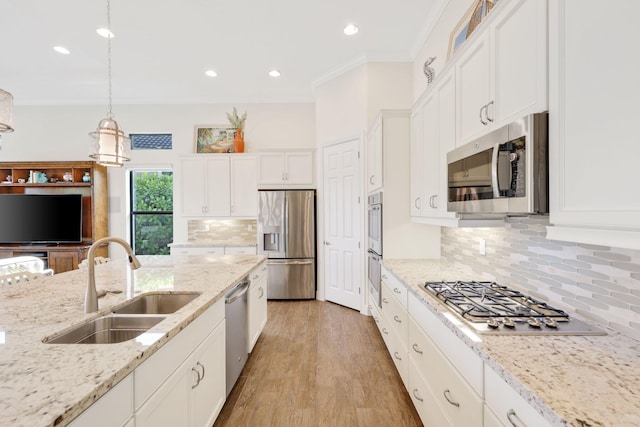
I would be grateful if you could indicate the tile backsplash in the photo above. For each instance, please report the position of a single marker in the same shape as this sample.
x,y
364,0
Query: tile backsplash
x,y
597,282
222,231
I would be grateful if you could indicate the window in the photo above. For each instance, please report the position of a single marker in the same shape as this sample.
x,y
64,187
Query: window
x,y
151,211
151,141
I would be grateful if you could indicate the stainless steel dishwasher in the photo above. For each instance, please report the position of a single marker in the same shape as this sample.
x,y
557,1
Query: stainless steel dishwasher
x,y
236,330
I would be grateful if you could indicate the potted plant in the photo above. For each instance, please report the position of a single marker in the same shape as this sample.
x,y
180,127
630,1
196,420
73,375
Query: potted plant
x,y
238,124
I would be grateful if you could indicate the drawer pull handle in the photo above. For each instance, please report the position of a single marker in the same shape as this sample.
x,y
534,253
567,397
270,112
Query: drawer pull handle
x,y
261,292
446,393
416,395
202,366
384,277
384,331
397,356
511,415
255,277
396,290
384,300
416,349
199,378
397,319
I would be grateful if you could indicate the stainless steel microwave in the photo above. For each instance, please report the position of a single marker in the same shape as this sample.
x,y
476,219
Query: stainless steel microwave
x,y
503,172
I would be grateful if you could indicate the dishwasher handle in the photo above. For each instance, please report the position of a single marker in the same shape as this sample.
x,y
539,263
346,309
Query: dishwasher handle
x,y
237,292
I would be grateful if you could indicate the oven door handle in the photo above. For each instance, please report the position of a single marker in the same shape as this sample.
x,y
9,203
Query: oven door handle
x,y
374,255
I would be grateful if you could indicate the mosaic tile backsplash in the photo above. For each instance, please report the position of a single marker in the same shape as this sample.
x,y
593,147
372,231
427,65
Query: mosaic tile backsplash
x,y
222,231
597,282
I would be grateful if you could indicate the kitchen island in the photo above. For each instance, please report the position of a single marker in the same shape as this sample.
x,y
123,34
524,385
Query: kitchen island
x,y
568,380
51,384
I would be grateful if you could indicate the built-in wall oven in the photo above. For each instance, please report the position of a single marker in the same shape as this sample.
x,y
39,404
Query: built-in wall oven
x,y
374,246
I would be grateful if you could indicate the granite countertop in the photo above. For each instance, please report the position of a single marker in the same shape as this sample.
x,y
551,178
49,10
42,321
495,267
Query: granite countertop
x,y
571,380
212,243
50,384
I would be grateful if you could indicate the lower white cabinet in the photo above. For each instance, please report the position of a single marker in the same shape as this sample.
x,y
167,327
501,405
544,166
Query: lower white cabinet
x,y
194,393
114,409
216,250
257,305
423,399
507,407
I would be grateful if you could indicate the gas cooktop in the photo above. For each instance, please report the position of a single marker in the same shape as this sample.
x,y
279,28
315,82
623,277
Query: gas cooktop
x,y
494,309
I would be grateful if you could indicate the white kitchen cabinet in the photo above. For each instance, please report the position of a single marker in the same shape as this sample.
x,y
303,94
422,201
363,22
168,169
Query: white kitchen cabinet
x,y
374,156
219,185
183,383
241,250
433,136
501,71
286,168
593,111
424,400
394,312
257,305
211,250
507,405
115,408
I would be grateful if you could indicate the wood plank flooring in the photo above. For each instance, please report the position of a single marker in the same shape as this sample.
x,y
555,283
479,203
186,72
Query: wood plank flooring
x,y
318,364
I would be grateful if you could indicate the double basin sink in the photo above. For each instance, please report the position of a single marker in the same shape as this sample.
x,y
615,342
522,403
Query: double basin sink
x,y
126,322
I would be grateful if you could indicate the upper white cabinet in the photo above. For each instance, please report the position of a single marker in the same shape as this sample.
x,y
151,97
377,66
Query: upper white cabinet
x,y
501,75
219,186
433,135
593,113
286,168
374,156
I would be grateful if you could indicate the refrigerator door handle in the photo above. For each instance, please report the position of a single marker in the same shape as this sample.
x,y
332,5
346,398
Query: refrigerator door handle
x,y
288,261
285,221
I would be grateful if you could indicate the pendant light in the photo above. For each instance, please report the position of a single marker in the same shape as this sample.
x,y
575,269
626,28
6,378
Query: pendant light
x,y
111,145
6,111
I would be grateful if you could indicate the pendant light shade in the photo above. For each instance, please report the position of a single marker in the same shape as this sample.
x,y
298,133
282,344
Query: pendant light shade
x,y
6,111
110,145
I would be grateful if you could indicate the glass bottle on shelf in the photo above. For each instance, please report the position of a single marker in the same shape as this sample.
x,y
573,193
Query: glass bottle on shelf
x,y
86,177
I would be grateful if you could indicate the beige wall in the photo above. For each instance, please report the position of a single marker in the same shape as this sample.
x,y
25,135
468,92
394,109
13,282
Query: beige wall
x,y
54,133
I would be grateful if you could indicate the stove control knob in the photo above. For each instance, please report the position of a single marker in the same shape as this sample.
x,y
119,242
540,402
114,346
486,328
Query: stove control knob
x,y
550,323
509,323
534,323
493,323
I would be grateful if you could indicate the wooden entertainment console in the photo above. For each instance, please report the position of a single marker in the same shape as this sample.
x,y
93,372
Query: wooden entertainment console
x,y
16,178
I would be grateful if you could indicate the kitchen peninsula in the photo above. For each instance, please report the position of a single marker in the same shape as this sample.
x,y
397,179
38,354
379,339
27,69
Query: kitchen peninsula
x,y
51,384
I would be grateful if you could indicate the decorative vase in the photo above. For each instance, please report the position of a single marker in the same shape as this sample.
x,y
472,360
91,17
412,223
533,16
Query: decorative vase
x,y
238,142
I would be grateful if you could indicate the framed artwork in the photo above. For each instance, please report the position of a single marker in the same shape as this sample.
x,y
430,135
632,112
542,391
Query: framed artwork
x,y
468,23
214,138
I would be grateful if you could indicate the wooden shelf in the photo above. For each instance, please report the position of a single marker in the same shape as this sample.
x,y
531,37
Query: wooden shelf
x,y
94,204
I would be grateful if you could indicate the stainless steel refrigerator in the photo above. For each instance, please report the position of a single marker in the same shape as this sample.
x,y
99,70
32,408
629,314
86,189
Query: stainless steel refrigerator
x,y
287,235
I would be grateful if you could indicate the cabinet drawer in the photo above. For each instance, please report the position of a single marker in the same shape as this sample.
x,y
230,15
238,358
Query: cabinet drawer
x,y
399,356
198,251
424,401
395,316
398,290
507,404
460,403
241,250
259,273
457,352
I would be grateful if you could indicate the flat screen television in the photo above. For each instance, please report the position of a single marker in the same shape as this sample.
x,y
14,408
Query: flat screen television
x,y
40,218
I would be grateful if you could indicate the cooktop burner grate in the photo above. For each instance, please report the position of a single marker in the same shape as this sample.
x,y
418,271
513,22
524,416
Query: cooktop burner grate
x,y
494,309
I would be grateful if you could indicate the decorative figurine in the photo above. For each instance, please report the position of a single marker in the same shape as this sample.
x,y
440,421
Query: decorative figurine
x,y
428,71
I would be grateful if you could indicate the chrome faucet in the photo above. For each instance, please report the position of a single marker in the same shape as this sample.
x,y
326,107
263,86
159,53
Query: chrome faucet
x,y
91,297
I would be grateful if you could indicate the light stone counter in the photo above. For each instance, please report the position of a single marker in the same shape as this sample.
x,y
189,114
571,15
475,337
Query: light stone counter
x,y
50,384
582,381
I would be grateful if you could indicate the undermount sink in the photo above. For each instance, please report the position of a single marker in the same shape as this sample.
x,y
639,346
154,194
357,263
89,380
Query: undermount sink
x,y
108,329
157,303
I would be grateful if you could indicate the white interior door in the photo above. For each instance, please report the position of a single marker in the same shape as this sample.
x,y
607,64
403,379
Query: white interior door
x,y
343,220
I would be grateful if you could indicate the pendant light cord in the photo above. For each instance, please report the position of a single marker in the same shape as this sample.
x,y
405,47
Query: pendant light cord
x,y
110,35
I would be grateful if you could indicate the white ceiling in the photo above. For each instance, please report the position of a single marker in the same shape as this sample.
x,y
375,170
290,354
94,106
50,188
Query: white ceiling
x,y
162,47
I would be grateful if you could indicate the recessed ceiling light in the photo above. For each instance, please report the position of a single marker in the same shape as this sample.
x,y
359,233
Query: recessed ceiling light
x,y
104,32
274,73
62,50
211,73
350,29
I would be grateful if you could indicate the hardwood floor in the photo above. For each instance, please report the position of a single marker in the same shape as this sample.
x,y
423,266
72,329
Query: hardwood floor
x,y
318,364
